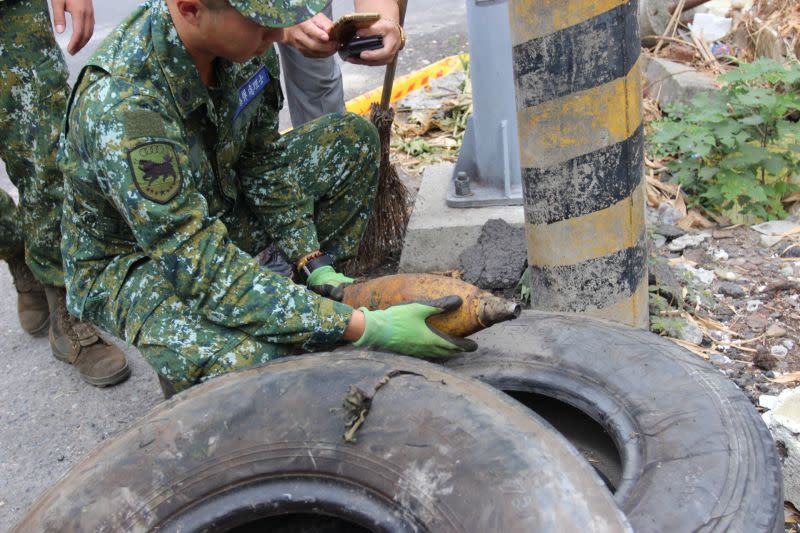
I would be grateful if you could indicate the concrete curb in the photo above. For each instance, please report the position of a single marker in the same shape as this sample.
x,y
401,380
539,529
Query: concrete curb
x,y
437,234
669,82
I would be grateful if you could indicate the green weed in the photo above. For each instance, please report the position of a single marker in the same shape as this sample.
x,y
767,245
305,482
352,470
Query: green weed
x,y
737,151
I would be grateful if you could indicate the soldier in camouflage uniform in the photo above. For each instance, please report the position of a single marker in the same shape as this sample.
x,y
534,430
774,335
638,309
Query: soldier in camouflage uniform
x,y
176,177
33,97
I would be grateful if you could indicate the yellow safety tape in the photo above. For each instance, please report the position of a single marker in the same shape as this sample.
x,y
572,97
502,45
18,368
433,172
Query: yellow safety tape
x,y
572,241
581,123
406,84
551,16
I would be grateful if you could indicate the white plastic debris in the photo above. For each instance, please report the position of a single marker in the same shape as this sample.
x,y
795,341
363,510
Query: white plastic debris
x,y
783,421
710,27
686,241
702,275
777,228
767,401
753,305
718,254
779,351
768,241
723,7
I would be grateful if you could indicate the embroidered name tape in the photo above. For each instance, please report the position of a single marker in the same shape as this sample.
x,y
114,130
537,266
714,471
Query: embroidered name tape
x,y
251,89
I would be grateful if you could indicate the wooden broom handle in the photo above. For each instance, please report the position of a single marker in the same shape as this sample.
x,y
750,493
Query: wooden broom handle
x,y
388,78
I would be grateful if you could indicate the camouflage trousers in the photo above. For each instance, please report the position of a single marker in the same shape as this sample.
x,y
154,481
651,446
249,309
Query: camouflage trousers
x,y
187,348
33,97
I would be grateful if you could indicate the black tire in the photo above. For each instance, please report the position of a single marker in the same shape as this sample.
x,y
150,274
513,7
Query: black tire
x,y
692,452
437,452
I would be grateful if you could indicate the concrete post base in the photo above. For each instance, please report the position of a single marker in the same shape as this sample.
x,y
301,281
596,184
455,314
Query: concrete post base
x,y
436,233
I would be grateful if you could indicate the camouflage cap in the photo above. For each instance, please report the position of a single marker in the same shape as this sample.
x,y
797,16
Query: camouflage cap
x,y
278,13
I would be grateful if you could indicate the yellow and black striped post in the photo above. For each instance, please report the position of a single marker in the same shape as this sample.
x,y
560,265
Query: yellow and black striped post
x,y
579,100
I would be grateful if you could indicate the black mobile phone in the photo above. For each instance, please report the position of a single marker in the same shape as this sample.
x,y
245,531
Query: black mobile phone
x,y
356,45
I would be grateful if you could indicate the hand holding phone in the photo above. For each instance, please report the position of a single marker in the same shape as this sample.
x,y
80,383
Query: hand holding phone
x,y
345,31
346,27
356,45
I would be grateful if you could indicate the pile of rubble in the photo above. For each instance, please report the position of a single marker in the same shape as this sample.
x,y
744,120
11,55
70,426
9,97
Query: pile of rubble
x,y
732,296
711,34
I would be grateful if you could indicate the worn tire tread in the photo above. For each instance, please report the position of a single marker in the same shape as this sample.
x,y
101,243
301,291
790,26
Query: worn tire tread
x,y
706,463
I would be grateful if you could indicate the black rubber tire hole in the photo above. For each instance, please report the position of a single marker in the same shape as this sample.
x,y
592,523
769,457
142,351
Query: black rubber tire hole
x,y
589,437
312,504
305,522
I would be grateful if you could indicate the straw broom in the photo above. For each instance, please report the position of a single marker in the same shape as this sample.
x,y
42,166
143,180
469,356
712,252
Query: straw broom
x,y
387,223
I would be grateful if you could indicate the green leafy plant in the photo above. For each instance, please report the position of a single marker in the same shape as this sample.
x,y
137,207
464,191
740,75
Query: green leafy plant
x,y
524,287
415,146
735,151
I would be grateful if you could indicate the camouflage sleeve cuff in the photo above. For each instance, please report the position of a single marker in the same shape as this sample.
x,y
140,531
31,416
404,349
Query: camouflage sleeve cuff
x,y
300,241
333,320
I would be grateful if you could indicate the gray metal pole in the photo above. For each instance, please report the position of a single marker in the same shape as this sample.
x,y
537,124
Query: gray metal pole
x,y
579,100
489,155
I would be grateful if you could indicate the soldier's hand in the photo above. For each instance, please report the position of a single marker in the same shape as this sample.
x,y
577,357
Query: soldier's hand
x,y
325,281
392,43
82,15
311,37
403,329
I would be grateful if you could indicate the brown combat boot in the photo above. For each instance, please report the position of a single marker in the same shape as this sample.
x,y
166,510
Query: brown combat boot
x,y
32,309
77,343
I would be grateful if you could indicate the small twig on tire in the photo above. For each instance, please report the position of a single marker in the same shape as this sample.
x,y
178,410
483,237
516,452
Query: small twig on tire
x,y
357,404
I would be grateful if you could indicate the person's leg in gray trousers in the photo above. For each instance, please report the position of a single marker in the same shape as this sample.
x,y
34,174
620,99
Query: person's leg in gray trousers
x,y
313,86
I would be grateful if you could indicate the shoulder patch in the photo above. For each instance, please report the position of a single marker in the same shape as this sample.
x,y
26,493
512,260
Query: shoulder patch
x,y
155,171
252,88
141,123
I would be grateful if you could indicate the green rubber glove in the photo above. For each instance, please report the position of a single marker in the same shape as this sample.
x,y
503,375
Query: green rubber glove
x,y
325,281
403,329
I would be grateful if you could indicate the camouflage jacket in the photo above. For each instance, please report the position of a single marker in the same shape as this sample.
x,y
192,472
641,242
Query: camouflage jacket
x,y
152,160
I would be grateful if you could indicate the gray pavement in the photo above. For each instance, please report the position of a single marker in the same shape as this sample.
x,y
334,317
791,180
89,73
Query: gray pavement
x,y
49,418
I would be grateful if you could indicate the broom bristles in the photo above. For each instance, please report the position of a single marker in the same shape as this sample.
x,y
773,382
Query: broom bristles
x,y
390,213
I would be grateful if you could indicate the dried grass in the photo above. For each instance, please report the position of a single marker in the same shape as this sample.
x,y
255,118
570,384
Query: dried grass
x,y
792,377
772,20
672,26
652,111
659,192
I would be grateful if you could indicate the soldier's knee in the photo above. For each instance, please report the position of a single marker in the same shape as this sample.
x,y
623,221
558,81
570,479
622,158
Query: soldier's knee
x,y
366,130
369,147
173,381
360,131
250,352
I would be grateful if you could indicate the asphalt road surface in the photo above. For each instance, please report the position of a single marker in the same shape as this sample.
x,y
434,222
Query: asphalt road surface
x,y
49,418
